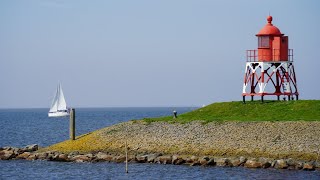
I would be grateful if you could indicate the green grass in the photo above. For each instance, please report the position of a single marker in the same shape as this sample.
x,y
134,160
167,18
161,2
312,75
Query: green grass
x,y
307,110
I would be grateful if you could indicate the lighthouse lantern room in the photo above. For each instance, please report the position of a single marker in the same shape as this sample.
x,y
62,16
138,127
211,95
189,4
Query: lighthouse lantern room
x,y
269,69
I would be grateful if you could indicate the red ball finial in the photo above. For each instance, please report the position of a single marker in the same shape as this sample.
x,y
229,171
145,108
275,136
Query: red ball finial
x,y
269,19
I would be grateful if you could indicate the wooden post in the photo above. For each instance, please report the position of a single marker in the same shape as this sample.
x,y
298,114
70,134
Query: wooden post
x,y
126,150
126,157
72,123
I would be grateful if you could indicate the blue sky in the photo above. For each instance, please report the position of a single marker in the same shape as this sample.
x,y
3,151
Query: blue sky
x,y
144,53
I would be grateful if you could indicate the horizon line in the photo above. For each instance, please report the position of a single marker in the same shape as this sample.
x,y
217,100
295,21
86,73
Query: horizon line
x,y
92,107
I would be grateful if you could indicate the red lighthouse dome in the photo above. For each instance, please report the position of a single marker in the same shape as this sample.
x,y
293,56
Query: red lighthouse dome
x,y
269,29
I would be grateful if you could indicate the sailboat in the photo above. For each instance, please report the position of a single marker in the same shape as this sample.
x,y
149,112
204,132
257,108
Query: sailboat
x,y
59,106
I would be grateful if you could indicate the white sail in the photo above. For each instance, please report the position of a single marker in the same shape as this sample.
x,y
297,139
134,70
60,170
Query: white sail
x,y
58,106
62,105
54,104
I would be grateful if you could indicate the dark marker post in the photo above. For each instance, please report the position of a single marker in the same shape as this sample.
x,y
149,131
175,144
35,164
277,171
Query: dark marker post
x,y
72,123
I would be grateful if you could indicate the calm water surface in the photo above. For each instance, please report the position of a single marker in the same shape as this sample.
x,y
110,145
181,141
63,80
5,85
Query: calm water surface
x,y
20,127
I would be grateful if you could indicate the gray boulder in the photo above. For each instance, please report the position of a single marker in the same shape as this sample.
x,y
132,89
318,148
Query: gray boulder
x,y
291,163
166,159
31,148
51,155
119,159
32,157
194,158
24,155
195,163
16,151
7,154
177,160
235,162
103,157
62,158
132,158
253,163
79,158
222,162
141,158
281,164
265,162
74,153
243,159
299,165
211,162
308,166
152,157
42,156
204,160
7,148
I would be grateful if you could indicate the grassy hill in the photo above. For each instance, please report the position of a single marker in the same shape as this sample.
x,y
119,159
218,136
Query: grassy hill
x,y
307,110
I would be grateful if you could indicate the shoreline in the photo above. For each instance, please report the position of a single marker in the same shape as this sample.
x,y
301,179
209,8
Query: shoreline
x,y
282,145
33,153
279,140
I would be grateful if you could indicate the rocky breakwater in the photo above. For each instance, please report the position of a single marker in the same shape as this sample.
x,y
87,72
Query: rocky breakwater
x,y
7,153
283,145
30,153
298,140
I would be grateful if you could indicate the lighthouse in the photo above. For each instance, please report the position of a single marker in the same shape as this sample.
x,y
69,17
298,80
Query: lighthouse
x,y
269,69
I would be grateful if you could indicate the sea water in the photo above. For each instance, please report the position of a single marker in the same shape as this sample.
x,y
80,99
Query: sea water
x,y
20,127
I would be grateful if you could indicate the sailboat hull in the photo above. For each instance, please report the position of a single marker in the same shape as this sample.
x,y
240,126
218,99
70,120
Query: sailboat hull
x,y
58,114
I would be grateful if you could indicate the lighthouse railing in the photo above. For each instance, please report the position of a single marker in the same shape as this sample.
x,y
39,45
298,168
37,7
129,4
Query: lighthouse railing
x,y
252,55
290,55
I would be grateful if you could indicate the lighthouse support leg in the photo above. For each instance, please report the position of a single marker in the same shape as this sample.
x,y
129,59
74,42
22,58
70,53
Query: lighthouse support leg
x,y
244,99
262,99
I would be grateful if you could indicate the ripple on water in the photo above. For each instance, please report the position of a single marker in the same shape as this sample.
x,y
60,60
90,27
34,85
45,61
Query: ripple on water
x,y
20,169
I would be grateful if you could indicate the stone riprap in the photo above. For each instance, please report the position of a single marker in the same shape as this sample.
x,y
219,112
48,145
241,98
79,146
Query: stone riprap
x,y
12,153
283,145
299,140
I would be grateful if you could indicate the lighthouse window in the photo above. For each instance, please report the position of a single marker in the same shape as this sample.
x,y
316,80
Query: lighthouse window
x,y
263,42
